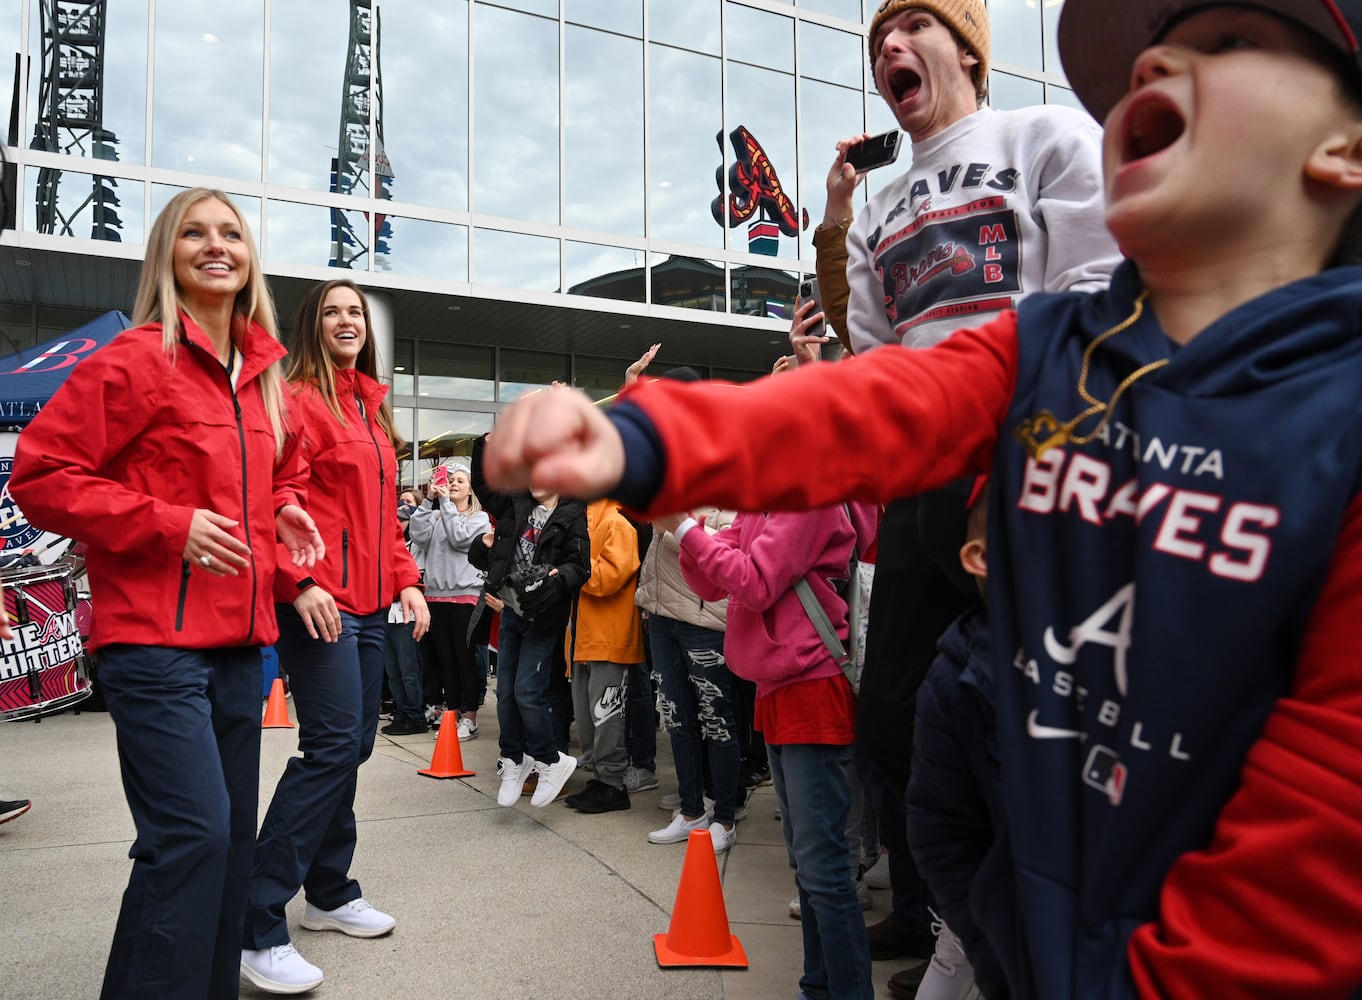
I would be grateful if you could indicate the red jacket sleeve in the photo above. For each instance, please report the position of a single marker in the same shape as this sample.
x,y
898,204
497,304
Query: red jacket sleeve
x,y
1273,907
886,424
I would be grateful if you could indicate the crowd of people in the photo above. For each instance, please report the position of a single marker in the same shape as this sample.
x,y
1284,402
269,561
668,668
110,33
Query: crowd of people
x,y
1121,370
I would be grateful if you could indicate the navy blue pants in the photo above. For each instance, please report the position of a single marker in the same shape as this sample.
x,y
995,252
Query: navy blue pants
x,y
308,837
188,725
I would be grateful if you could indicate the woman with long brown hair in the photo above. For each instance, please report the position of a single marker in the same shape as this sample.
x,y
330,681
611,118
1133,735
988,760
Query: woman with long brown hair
x,y
333,631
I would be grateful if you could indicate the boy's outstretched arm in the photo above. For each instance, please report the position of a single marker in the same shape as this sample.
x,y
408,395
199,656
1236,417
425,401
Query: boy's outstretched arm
x,y
1273,907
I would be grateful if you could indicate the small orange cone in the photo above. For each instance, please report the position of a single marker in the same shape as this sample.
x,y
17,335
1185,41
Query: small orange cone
x,y
448,759
276,709
698,934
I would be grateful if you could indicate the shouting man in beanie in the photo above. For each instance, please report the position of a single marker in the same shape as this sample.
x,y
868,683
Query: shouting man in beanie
x,y
994,206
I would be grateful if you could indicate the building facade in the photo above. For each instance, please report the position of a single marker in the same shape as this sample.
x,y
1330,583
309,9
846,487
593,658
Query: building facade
x,y
536,190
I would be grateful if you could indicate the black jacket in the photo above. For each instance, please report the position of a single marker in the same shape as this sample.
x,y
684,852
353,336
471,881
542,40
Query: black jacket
x,y
564,542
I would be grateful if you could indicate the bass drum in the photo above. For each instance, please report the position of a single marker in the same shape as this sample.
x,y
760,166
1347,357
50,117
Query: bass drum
x,y
43,668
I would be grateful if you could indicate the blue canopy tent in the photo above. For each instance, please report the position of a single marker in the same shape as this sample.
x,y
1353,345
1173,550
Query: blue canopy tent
x,y
29,378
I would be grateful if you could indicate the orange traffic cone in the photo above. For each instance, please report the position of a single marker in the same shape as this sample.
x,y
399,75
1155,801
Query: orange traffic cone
x,y
276,710
448,759
698,934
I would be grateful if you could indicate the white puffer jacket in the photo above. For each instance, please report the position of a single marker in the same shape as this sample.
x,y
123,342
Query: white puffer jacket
x,y
662,590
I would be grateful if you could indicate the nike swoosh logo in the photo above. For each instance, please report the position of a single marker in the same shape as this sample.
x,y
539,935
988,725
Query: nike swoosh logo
x,y
1038,732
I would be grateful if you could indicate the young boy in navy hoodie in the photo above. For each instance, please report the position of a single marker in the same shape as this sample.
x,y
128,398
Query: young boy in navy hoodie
x,y
1175,574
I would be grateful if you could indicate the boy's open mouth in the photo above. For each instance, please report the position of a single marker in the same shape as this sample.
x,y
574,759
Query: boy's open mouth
x,y
1152,125
903,83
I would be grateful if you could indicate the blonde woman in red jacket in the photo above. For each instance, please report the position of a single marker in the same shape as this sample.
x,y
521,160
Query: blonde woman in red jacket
x,y
333,630
166,453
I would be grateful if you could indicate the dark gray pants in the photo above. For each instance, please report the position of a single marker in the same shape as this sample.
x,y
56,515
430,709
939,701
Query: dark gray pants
x,y
599,690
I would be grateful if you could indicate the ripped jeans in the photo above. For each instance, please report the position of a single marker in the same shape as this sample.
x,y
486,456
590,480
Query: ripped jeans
x,y
696,702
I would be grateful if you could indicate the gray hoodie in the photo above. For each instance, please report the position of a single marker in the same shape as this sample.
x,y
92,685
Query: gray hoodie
x,y
440,539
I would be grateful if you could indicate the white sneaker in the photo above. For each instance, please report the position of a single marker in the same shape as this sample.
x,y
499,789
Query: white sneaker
x,y
678,830
636,779
468,730
670,802
279,969
795,912
552,778
358,918
949,975
877,875
723,838
513,777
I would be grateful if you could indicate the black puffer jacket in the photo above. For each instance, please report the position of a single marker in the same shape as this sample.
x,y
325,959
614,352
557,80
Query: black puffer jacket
x,y
563,543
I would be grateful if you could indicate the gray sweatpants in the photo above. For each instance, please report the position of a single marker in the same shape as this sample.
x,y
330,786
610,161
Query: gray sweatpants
x,y
598,701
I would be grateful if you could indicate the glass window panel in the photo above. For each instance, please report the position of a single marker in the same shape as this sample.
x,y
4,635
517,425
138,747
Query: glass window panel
x,y
119,106
692,25
829,115
1062,95
16,326
602,377
763,291
760,38
423,249
603,134
404,369
404,423
1007,92
11,30
1015,27
446,434
454,371
762,101
525,371
833,56
309,91
209,129
247,205
67,203
848,9
514,260
687,282
1050,13
547,8
301,234
515,115
425,101
53,322
624,16
685,110
604,272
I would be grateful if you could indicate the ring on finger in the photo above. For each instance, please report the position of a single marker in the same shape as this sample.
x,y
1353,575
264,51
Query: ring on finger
x,y
205,561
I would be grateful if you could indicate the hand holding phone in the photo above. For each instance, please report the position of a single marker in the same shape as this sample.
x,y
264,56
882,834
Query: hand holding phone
x,y
440,477
877,151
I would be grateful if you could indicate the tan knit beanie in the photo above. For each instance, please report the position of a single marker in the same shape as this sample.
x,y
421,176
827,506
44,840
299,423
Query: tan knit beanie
x,y
967,18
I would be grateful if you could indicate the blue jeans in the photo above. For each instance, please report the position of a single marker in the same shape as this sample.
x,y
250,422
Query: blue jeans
x,y
188,725
640,719
525,655
402,662
813,791
697,712
308,836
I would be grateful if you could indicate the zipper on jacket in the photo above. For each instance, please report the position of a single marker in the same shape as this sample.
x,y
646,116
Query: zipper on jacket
x,y
379,535
345,557
184,593
245,503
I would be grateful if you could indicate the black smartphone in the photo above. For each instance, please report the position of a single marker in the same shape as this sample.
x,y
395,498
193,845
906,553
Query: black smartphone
x,y
877,151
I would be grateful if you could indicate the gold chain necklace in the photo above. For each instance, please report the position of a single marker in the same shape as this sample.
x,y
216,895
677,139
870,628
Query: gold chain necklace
x,y
1044,431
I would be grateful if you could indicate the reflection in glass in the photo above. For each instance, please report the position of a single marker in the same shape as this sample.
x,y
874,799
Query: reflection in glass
x,y
760,38
297,233
687,283
1050,14
424,249
848,9
685,112
455,371
1007,92
604,272
248,206
308,48
763,291
425,104
1015,26
547,8
763,101
209,129
829,115
404,368
623,16
11,30
1062,95
602,377
513,260
833,56
525,371
108,209
603,134
515,115
404,423
445,434
691,25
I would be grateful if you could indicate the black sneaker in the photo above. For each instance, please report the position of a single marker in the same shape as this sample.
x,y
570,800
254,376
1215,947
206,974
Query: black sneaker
x,y
589,791
406,727
14,809
602,798
755,777
895,938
